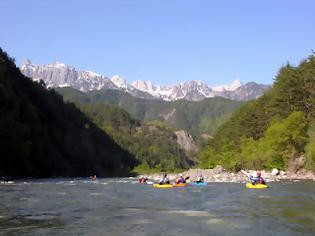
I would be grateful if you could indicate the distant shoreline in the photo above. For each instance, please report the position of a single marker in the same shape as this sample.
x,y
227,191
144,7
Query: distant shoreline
x,y
220,175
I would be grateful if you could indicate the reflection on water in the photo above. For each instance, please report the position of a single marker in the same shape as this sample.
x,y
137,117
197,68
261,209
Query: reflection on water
x,y
121,207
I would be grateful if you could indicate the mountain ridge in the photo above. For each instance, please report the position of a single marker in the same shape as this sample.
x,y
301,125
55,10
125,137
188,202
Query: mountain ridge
x,y
61,75
196,117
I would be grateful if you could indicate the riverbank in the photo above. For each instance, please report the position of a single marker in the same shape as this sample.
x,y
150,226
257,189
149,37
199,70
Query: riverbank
x,y
219,174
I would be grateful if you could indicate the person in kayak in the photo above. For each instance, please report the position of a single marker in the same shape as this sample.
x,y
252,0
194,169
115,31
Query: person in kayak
x,y
200,179
257,179
164,180
143,180
93,177
180,180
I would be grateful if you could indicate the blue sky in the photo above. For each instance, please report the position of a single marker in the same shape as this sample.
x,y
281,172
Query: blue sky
x,y
166,41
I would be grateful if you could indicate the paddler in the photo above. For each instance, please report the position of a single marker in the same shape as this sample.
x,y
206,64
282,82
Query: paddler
x,y
164,180
257,179
180,180
200,179
93,177
143,180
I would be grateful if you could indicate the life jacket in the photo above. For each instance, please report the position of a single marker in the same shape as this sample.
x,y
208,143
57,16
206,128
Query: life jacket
x,y
200,180
254,180
257,180
164,181
261,181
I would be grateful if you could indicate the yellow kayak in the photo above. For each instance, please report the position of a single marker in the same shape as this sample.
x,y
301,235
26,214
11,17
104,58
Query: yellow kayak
x,y
260,186
163,185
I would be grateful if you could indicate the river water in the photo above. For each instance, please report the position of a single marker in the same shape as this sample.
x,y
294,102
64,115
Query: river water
x,y
123,207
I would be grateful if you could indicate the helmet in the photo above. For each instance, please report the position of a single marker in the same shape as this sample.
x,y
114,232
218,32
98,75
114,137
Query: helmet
x,y
258,174
181,175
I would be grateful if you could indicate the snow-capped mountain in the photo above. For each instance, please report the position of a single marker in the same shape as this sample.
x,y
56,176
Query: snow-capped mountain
x,y
228,87
60,75
192,91
197,90
246,92
119,82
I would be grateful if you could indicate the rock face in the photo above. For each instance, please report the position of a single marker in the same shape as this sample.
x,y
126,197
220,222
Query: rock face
x,y
60,75
297,164
185,141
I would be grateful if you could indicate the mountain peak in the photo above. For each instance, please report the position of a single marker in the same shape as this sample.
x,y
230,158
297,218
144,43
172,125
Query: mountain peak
x,y
119,82
27,62
59,64
145,86
235,84
198,82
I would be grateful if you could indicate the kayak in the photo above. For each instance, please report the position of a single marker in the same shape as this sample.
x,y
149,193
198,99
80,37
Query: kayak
x,y
259,186
163,186
180,185
199,184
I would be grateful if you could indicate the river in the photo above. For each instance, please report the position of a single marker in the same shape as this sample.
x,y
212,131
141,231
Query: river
x,y
123,207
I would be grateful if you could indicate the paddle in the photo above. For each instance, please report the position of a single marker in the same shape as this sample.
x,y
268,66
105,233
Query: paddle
x,y
247,174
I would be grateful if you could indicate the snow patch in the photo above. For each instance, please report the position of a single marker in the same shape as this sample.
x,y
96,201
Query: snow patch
x,y
228,87
91,73
119,82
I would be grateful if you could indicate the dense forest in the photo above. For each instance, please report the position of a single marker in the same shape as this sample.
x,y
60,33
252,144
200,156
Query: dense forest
x,y
195,117
41,136
155,147
272,131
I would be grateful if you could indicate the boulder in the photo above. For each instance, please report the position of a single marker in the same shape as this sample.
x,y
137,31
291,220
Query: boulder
x,y
218,169
275,172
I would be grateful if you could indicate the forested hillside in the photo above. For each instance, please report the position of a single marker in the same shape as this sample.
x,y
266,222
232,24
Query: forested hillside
x,y
272,131
41,136
155,147
195,117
